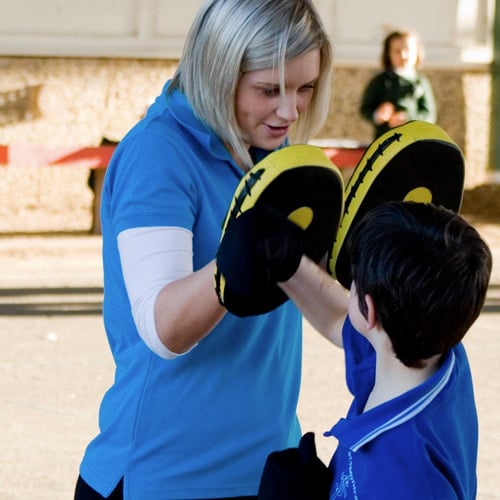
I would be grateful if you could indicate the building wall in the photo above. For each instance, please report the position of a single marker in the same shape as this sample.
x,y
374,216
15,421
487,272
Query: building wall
x,y
75,72
78,101
455,31
65,102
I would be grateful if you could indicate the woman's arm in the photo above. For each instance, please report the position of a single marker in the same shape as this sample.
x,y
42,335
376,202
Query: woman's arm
x,y
172,306
188,309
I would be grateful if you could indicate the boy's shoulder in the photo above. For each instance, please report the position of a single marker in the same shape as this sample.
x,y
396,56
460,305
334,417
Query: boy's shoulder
x,y
428,430
402,465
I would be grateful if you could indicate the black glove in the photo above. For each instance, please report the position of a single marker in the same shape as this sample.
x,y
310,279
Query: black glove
x,y
258,249
281,243
296,474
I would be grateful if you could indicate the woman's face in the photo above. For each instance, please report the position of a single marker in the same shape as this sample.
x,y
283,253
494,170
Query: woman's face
x,y
265,115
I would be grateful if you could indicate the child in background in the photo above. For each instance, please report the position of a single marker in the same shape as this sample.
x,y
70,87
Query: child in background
x,y
399,93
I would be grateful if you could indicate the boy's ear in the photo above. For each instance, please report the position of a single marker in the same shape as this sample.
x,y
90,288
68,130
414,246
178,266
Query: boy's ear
x,y
371,313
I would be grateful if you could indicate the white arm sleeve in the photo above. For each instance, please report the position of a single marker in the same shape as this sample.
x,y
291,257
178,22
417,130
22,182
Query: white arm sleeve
x,y
151,258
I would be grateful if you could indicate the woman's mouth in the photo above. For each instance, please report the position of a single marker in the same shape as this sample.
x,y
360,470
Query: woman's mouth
x,y
276,131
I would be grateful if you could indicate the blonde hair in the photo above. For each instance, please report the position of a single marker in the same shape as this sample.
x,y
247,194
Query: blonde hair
x,y
231,37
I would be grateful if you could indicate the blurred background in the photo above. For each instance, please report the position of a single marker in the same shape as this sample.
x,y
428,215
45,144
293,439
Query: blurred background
x,y
74,77
73,73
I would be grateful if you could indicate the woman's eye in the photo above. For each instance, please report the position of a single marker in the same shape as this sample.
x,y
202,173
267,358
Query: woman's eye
x,y
307,88
271,92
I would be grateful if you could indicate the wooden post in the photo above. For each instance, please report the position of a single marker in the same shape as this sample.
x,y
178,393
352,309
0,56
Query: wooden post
x,y
495,98
96,205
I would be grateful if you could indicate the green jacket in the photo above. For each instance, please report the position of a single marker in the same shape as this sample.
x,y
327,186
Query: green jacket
x,y
413,96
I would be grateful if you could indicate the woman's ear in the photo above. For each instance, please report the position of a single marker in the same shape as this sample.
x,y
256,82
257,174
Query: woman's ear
x,y
371,313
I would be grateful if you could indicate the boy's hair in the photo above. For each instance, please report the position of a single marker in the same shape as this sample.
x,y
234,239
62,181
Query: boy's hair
x,y
427,271
395,35
231,37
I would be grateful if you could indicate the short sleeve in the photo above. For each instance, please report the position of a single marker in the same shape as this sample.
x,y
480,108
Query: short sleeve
x,y
149,184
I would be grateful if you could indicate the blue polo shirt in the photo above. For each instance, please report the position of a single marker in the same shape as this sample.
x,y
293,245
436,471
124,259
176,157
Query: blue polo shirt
x,y
422,444
201,425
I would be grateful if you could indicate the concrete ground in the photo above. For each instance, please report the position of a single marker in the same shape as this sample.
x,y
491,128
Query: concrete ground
x,y
55,365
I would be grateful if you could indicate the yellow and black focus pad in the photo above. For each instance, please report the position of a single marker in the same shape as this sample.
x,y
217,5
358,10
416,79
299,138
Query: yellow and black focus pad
x,y
416,161
302,183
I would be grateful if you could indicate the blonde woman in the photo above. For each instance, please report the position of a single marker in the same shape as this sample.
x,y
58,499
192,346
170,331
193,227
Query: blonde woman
x,y
200,396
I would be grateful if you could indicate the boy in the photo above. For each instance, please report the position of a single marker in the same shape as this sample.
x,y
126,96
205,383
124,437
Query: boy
x,y
419,279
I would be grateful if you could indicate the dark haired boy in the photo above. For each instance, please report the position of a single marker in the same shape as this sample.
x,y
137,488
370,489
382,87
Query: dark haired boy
x,y
419,279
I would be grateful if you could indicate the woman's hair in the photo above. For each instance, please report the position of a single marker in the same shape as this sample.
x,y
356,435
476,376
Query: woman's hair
x,y
427,271
231,37
395,35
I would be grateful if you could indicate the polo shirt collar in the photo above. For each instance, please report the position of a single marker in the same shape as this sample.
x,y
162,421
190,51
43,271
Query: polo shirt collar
x,y
183,113
356,430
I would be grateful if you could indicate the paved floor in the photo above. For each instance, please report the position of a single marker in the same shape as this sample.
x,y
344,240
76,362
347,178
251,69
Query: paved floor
x,y
55,365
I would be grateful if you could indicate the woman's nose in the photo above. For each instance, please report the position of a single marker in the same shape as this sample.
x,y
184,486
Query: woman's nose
x,y
288,108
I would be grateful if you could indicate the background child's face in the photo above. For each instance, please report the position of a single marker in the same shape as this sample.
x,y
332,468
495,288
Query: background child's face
x,y
403,53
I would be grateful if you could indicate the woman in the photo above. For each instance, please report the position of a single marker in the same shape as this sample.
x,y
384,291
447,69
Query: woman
x,y
200,396
400,92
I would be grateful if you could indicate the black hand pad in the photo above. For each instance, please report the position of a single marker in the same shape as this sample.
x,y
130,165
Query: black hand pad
x,y
300,183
